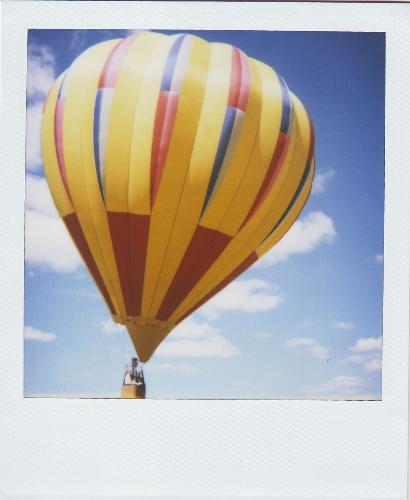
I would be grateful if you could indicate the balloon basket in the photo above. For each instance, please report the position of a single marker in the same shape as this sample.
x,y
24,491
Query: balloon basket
x,y
133,386
132,392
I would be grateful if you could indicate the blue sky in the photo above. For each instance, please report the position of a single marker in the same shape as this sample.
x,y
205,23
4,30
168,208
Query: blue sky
x,y
305,322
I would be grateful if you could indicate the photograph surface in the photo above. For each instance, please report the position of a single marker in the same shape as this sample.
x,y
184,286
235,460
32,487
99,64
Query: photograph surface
x,y
204,214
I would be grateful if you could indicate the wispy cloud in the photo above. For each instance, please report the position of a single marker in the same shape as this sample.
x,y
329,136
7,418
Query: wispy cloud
x,y
247,296
310,346
367,354
38,196
191,339
78,39
41,64
33,146
48,245
174,368
322,180
367,344
262,335
341,385
370,362
40,76
109,327
344,325
31,333
373,365
378,258
304,236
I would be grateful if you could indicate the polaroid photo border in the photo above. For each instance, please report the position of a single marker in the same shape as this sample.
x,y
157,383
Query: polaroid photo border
x,y
272,449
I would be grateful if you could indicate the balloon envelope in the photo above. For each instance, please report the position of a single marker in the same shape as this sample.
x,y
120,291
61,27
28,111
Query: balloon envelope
x,y
175,164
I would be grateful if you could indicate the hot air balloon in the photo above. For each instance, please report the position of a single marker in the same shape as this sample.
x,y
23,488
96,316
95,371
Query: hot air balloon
x,y
175,164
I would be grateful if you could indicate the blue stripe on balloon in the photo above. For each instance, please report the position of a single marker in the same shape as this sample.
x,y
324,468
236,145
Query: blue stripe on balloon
x,y
295,196
170,64
96,130
284,125
61,86
227,128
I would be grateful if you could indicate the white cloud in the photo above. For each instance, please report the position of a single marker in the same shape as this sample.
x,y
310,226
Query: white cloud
x,y
367,344
248,296
373,365
370,362
309,345
340,385
40,77
300,341
358,359
33,139
48,244
41,64
322,180
174,368
109,327
319,352
367,353
78,39
261,334
304,236
38,196
31,333
378,258
196,340
344,325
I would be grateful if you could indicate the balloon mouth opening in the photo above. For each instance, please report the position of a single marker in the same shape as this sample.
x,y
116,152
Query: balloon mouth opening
x,y
131,321
146,334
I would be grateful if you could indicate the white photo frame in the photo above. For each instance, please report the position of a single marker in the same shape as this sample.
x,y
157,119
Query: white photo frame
x,y
249,449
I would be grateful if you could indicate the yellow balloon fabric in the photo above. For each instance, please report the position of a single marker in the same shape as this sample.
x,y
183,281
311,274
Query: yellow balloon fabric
x,y
175,164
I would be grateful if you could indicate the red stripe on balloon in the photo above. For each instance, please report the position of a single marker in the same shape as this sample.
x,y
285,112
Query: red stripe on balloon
x,y
112,66
274,168
129,234
235,84
139,231
58,137
119,229
205,247
240,79
251,259
163,126
244,85
74,228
